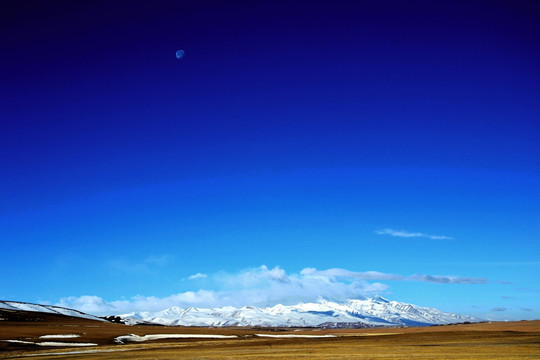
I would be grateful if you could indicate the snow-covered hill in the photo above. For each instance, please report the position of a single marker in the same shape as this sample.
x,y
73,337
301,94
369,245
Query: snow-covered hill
x,y
376,311
15,306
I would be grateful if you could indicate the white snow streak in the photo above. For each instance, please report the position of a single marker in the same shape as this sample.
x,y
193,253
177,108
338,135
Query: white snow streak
x,y
59,336
294,336
77,352
50,343
19,341
55,343
137,338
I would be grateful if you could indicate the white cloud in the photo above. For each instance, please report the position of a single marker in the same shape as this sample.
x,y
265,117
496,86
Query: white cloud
x,y
88,304
262,287
407,234
258,287
197,276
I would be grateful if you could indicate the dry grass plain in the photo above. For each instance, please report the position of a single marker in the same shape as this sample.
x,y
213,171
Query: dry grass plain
x,y
500,340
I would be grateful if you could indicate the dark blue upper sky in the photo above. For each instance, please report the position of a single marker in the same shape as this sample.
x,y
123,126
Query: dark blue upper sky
x,y
93,101
93,98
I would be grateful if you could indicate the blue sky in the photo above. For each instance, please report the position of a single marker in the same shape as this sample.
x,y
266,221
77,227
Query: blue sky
x,y
345,149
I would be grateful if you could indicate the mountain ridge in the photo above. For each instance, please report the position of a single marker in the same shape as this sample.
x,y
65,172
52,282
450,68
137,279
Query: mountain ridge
x,y
368,312
19,306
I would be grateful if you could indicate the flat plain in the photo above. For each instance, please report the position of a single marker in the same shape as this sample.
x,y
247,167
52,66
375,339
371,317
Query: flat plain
x,y
497,340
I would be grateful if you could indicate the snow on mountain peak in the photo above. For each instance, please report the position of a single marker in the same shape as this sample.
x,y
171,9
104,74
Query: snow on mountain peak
x,y
376,311
23,306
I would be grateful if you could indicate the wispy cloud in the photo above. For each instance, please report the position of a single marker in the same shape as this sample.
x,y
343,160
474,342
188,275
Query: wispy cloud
x,y
407,234
525,289
197,276
375,275
499,309
261,286
443,279
144,266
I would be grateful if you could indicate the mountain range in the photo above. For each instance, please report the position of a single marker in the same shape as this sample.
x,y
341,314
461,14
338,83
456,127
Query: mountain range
x,y
355,313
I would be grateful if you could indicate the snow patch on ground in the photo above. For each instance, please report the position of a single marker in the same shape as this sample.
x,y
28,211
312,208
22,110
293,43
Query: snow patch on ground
x,y
55,343
59,336
50,343
19,342
136,338
77,352
294,336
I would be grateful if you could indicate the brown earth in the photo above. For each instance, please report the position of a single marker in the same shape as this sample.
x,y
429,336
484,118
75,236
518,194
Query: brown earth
x,y
498,340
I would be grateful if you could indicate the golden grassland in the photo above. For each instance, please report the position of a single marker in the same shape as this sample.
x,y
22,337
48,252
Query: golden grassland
x,y
498,340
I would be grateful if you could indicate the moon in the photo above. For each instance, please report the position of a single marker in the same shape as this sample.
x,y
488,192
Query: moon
x,y
180,54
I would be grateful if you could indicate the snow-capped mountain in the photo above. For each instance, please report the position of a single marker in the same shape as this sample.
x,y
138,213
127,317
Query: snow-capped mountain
x,y
376,311
13,306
